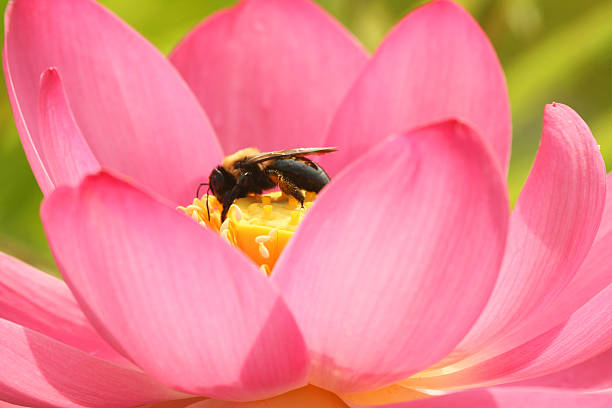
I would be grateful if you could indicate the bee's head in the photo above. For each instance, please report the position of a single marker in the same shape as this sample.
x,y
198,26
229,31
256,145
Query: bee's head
x,y
220,181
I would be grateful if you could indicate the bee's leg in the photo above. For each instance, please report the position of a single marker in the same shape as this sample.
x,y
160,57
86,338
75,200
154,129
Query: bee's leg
x,y
288,187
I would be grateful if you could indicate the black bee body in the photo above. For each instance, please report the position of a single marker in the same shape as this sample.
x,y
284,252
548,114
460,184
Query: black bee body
x,y
250,172
303,173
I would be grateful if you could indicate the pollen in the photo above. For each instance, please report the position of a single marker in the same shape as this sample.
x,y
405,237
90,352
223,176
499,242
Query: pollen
x,y
259,225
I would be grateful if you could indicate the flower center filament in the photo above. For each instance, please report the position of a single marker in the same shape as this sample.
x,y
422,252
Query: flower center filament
x,y
259,225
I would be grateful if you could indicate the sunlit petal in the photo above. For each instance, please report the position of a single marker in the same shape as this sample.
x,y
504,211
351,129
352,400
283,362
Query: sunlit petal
x,y
413,255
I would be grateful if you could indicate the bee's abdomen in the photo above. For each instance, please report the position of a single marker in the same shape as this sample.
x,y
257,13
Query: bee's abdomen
x,y
305,174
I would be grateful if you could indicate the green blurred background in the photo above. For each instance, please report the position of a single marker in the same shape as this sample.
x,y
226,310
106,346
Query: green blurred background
x,y
551,50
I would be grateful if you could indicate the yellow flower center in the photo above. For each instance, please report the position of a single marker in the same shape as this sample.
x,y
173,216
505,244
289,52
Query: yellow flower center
x,y
260,225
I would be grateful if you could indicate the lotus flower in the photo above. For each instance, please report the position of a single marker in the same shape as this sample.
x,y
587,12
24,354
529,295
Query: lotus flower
x,y
409,283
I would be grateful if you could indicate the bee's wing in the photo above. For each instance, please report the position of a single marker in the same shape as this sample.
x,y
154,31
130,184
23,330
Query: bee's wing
x,y
281,154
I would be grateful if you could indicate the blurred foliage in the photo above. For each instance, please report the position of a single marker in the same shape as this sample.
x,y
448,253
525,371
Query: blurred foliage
x,y
551,51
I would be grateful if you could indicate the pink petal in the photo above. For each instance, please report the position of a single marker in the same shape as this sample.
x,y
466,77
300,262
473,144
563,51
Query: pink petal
x,y
594,275
7,405
137,115
586,334
375,274
39,371
552,228
36,163
270,73
64,152
435,64
594,374
511,398
40,302
182,304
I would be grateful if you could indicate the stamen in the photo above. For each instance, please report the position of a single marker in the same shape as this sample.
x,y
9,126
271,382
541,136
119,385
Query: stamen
x,y
264,251
265,269
262,238
224,226
236,212
225,236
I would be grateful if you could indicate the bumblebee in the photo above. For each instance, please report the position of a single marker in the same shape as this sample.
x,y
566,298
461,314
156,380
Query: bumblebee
x,y
248,171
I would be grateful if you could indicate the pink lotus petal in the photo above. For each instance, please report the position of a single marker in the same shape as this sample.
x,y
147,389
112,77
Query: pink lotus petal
x,y
8,405
552,228
435,64
270,73
367,264
40,302
594,275
511,398
586,334
64,152
39,371
36,164
137,115
182,304
592,375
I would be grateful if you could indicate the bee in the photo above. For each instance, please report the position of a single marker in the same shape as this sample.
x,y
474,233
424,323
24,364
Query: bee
x,y
248,171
